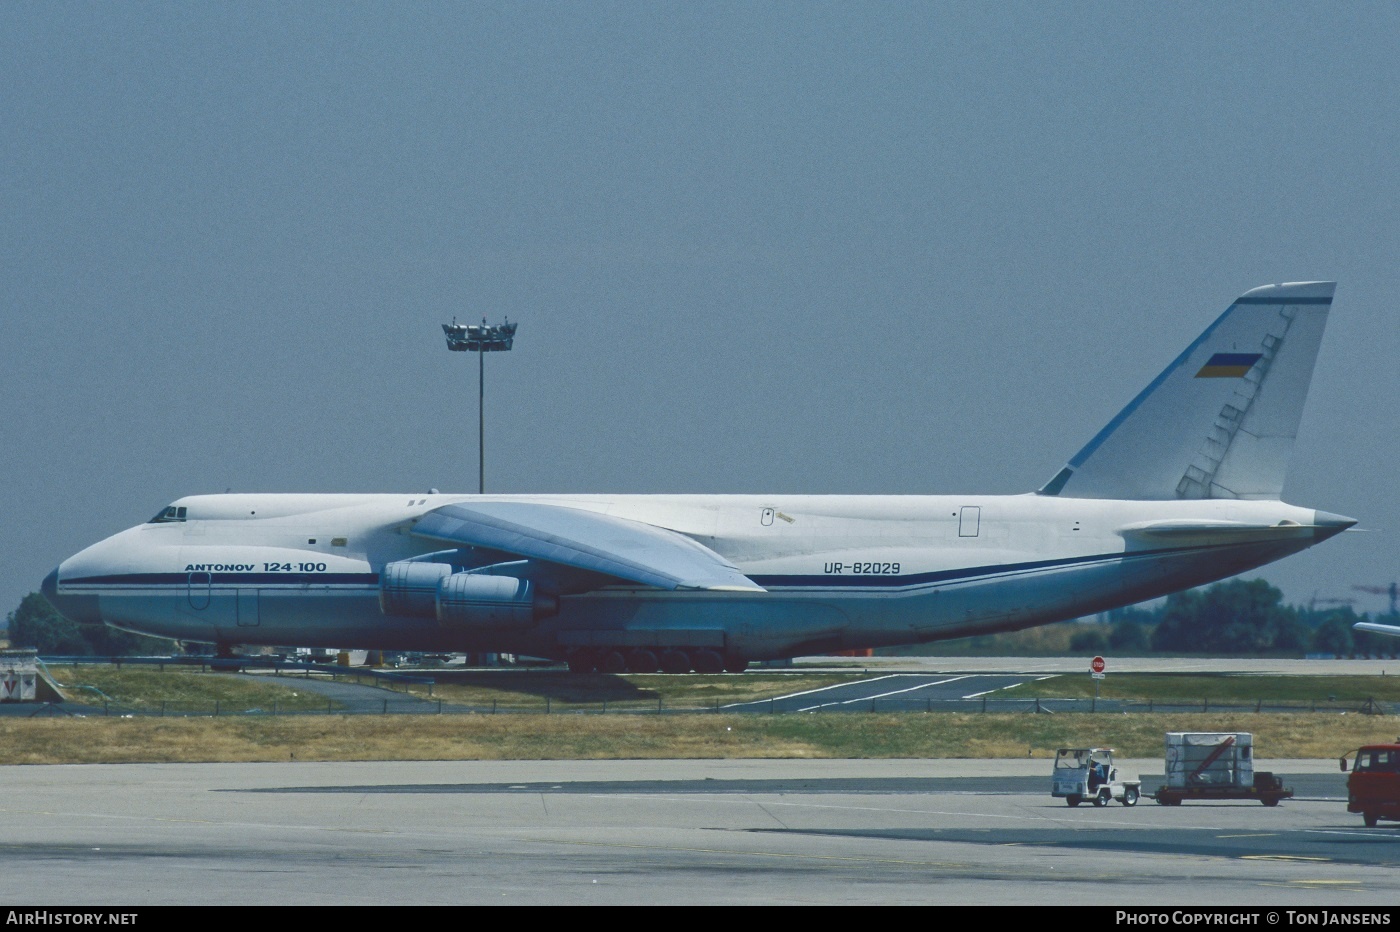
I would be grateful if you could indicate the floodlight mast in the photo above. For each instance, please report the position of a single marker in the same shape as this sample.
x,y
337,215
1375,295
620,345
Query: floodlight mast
x,y
481,339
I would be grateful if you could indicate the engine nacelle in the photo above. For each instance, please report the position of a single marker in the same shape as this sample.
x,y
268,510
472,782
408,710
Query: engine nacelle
x,y
481,600
411,589
485,598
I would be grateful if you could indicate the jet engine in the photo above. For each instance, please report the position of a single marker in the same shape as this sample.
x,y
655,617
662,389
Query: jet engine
x,y
409,588
490,601
477,598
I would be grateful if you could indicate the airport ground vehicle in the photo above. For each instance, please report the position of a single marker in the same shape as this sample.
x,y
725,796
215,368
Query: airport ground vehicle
x,y
1089,774
1373,788
1212,766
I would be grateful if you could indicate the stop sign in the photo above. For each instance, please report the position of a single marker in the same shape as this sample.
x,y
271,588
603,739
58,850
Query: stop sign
x,y
1097,665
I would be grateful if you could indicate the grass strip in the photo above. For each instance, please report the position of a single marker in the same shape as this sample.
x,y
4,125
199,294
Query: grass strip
x,y
838,735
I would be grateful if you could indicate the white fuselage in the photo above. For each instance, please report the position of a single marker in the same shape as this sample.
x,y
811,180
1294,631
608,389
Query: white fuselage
x,y
841,572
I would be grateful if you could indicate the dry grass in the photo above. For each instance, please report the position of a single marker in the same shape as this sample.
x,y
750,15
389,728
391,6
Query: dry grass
x,y
645,734
583,737
148,689
559,690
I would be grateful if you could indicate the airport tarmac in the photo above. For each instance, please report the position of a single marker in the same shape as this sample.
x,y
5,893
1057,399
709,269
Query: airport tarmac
x,y
752,832
1320,666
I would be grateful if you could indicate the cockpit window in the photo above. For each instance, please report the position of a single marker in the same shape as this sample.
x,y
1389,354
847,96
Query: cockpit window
x,y
168,514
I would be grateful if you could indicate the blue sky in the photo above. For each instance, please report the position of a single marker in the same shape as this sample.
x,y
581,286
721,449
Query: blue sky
x,y
752,247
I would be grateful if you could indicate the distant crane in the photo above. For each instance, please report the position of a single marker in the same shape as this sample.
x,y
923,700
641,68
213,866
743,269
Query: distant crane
x,y
1316,601
1392,590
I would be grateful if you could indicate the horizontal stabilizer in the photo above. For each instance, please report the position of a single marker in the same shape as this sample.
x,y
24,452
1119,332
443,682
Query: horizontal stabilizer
x,y
1219,422
1224,531
1211,528
586,540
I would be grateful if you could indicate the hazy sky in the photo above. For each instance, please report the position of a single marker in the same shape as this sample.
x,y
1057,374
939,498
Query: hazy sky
x,y
752,247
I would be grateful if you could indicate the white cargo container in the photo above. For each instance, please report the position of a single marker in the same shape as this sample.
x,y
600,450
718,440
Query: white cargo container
x,y
1199,758
1216,765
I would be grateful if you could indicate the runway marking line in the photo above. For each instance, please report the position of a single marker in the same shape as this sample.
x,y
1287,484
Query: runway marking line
x,y
822,689
894,692
988,692
1355,832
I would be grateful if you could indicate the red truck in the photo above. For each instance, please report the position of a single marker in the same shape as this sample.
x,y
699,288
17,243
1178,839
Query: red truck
x,y
1373,787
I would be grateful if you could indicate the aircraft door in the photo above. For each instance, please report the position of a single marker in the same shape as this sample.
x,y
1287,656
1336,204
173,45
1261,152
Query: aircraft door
x,y
208,605
199,588
248,608
969,520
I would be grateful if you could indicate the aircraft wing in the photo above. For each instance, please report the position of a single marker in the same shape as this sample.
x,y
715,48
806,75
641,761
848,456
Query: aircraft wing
x,y
620,547
1377,628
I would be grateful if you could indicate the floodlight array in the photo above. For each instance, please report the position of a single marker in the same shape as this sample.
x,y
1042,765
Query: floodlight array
x,y
479,338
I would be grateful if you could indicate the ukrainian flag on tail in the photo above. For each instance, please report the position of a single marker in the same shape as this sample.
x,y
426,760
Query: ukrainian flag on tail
x,y
1228,365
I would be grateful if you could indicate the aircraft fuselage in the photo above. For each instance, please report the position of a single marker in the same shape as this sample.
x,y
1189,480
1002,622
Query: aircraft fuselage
x,y
840,572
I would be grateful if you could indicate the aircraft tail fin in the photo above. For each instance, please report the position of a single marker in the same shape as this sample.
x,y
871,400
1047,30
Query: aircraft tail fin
x,y
1219,422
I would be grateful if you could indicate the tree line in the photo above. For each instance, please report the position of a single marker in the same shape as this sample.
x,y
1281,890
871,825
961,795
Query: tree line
x,y
1239,617
35,623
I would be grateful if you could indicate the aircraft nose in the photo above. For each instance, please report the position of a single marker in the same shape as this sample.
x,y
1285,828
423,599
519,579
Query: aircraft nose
x,y
79,608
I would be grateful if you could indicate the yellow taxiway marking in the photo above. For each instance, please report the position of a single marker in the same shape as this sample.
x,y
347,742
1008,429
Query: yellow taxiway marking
x,y
760,854
1280,857
1251,835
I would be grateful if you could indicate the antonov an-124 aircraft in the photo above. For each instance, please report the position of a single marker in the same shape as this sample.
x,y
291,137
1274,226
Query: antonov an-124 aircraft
x,y
1182,488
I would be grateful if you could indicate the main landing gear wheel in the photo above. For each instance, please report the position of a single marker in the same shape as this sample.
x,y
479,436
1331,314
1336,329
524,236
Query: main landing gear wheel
x,y
582,661
642,661
707,661
612,662
735,664
675,661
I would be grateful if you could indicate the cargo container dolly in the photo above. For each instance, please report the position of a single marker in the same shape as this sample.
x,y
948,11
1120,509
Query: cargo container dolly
x,y
1212,766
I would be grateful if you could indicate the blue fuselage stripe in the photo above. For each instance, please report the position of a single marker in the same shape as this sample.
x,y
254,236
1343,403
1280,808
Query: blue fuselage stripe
x,y
216,580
